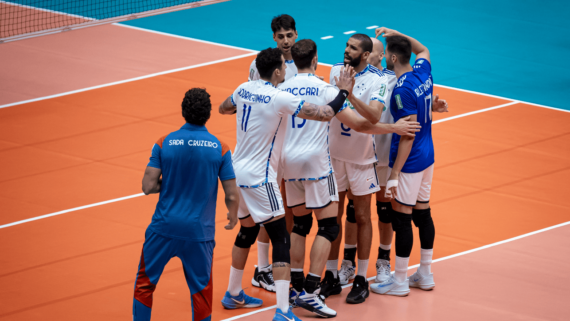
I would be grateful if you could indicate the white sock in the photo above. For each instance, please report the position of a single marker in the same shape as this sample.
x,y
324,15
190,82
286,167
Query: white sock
x,y
385,247
296,270
313,274
282,293
425,262
362,268
262,254
349,246
234,286
401,270
332,265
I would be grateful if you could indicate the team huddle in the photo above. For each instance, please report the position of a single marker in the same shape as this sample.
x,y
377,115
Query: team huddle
x,y
303,145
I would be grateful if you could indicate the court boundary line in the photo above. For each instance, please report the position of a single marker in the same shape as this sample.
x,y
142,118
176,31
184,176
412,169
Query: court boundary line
x,y
434,261
126,80
142,194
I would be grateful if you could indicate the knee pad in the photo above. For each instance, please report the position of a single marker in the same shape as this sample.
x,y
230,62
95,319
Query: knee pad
x,y
384,212
328,228
280,239
402,225
302,224
350,216
424,222
247,236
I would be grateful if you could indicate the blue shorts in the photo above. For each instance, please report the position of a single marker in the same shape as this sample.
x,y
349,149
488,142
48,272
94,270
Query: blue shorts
x,y
196,260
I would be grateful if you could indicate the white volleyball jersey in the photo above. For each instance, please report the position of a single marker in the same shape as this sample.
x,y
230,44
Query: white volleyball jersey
x,y
349,145
290,71
383,142
260,109
306,148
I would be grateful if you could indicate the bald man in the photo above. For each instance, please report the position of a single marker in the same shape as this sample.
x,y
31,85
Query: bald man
x,y
382,142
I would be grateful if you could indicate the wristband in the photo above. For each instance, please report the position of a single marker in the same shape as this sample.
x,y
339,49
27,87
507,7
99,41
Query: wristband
x,y
336,104
389,185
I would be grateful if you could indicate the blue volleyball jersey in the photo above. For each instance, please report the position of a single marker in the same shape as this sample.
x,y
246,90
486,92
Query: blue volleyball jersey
x,y
413,96
191,160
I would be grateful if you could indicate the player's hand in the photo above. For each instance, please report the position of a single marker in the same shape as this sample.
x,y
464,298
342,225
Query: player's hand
x,y
345,79
233,220
320,77
439,105
392,185
386,32
405,127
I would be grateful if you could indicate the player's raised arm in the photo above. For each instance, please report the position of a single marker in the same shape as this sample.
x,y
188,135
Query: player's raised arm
x,y
227,107
325,113
418,49
403,127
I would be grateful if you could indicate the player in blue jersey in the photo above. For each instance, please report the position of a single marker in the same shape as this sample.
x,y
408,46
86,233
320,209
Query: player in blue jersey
x,y
190,161
411,162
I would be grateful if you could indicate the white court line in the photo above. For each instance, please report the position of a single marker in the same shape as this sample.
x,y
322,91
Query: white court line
x,y
141,194
46,10
372,27
327,37
128,80
349,32
434,261
70,210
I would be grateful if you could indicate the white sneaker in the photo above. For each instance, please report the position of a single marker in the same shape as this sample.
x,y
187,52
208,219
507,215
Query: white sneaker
x,y
424,282
346,272
382,270
314,303
391,287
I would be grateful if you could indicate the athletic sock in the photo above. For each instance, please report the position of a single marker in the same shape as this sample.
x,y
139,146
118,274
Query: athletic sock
x,y
332,265
425,261
262,254
282,294
383,254
350,253
362,268
312,282
297,279
234,285
401,270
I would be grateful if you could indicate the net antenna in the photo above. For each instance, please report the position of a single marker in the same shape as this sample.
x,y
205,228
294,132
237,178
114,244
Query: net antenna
x,y
22,19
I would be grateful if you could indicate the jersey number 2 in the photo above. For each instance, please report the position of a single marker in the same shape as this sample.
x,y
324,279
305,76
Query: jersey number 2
x,y
244,117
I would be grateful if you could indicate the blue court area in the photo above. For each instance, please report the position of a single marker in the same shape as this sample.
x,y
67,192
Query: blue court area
x,y
514,49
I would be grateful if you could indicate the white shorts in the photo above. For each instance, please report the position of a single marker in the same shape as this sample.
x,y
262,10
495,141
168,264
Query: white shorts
x,y
360,179
314,194
383,175
414,187
262,203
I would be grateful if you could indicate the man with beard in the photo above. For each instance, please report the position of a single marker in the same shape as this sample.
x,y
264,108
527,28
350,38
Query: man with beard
x,y
353,159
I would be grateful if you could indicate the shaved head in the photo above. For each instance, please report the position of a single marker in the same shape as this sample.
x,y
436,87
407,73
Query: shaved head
x,y
377,54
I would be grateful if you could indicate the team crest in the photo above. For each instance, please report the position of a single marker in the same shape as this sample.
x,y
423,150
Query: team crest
x,y
399,102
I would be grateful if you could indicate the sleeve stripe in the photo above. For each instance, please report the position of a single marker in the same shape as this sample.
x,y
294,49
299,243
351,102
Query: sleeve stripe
x,y
232,99
299,108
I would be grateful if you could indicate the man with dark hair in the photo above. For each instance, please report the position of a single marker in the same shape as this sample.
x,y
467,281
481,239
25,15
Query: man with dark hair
x,y
309,180
260,108
354,159
411,163
284,34
190,161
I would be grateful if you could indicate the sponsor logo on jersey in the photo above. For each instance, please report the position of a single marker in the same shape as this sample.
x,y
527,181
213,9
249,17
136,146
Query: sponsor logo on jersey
x,y
369,179
202,143
303,91
419,62
372,186
255,98
401,81
176,142
382,90
348,104
399,101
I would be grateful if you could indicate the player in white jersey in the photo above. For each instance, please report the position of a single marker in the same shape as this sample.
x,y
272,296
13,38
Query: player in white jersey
x,y
354,160
309,178
284,34
260,108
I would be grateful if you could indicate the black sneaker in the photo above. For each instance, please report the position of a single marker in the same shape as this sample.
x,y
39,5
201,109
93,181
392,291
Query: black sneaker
x,y
330,285
263,278
359,291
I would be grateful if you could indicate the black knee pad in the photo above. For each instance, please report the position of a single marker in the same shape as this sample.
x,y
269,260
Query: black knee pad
x,y
280,239
302,224
328,228
402,225
384,212
424,222
247,236
350,216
